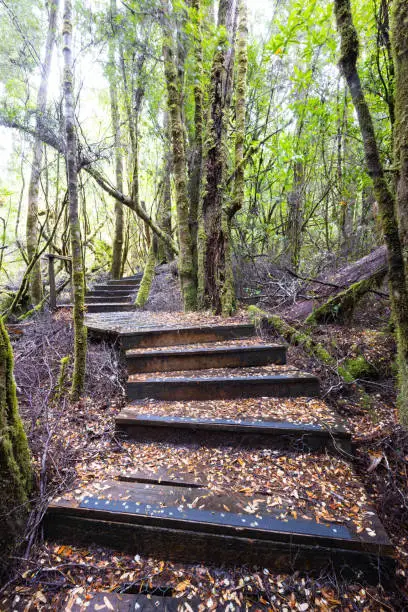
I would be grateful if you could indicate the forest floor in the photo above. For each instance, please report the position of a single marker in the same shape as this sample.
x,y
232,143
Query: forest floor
x,y
77,443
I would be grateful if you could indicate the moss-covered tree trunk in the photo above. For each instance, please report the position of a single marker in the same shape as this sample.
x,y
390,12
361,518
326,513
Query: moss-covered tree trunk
x,y
32,235
400,50
385,199
214,259
118,238
148,274
15,462
185,264
164,254
196,149
78,281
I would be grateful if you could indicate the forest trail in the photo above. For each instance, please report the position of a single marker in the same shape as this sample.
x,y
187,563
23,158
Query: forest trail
x,y
230,457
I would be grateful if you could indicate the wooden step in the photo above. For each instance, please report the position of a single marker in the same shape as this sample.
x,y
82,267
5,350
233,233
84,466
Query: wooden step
x,y
109,307
173,336
224,384
203,358
123,287
124,281
259,433
101,299
196,525
128,602
109,292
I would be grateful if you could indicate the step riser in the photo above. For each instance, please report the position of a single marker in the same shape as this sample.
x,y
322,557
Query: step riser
x,y
166,362
189,390
111,294
128,283
127,280
203,547
174,337
128,288
109,307
296,441
91,299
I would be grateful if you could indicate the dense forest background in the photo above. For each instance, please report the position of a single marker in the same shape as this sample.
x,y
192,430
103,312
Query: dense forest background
x,y
308,201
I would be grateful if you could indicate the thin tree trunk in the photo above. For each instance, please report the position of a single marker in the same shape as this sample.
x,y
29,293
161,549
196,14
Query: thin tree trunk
x,y
398,286
117,248
32,236
15,461
78,283
186,266
240,111
215,271
164,254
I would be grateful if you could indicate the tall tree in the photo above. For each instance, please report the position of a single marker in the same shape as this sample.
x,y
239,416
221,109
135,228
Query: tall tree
x,y
174,86
400,51
117,250
15,462
32,234
78,283
383,193
215,271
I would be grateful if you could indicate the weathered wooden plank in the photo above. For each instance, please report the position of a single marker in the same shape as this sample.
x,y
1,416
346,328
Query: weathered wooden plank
x,y
172,336
164,476
126,602
122,286
215,432
205,530
204,358
223,387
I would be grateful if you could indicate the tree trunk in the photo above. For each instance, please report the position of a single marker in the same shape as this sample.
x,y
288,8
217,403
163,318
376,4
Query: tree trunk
x,y
15,462
32,236
164,254
117,248
215,272
197,145
295,215
324,289
148,274
386,204
186,265
78,283
240,111
400,49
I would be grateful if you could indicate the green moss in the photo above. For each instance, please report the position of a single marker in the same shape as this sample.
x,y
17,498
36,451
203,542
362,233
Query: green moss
x,y
360,368
148,274
341,307
15,460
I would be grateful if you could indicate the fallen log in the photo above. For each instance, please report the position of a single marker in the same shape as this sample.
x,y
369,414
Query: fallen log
x,y
334,297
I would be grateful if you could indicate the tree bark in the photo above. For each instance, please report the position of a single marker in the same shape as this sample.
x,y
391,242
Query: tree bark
x,y
324,289
186,266
400,49
385,199
32,236
117,247
215,280
196,151
78,284
15,461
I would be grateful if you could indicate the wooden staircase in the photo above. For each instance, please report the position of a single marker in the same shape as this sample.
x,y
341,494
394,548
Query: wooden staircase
x,y
114,295
181,380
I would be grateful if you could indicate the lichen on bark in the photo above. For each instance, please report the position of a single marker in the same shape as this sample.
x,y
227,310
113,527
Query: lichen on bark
x,y
15,460
185,263
148,274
